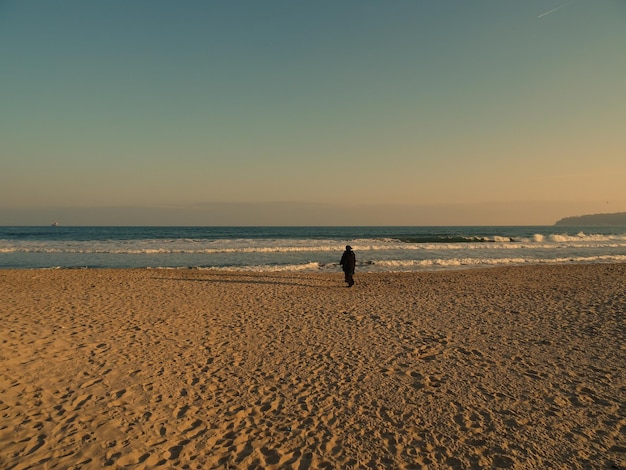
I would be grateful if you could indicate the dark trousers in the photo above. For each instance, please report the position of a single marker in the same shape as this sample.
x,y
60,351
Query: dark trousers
x,y
349,279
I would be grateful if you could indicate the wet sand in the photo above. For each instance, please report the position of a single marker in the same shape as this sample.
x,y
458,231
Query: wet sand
x,y
517,367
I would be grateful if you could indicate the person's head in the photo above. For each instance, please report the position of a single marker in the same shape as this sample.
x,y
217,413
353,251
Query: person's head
x,y
348,248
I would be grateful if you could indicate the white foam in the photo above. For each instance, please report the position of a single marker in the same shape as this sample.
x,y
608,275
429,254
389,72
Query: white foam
x,y
412,265
270,246
424,265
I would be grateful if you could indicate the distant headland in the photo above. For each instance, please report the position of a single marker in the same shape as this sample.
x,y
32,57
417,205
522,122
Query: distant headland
x,y
619,218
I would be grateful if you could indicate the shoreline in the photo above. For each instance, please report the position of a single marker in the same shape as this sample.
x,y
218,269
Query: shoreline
x,y
505,367
336,268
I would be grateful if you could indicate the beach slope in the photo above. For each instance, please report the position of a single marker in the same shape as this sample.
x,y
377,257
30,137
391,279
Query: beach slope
x,y
518,367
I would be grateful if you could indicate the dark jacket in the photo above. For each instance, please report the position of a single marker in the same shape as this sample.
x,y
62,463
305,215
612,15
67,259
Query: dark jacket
x,y
348,261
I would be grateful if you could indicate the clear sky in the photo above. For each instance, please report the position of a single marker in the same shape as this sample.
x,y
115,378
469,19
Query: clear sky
x,y
420,112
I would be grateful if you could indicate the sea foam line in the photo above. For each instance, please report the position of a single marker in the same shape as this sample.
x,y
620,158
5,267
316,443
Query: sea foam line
x,y
417,265
151,250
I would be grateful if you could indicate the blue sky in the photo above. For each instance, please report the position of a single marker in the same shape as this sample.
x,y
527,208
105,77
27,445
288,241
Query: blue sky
x,y
423,112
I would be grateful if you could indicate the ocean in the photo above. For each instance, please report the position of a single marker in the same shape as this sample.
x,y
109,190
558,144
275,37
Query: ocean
x,y
310,249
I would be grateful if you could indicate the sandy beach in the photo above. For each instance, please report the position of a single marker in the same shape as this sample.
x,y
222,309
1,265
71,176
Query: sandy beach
x,y
518,367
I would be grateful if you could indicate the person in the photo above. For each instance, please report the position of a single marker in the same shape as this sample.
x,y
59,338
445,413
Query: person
x,y
348,263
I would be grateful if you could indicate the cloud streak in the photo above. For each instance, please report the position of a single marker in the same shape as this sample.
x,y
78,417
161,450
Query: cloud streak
x,y
553,10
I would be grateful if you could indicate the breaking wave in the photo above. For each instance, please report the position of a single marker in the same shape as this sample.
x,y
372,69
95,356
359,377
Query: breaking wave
x,y
315,249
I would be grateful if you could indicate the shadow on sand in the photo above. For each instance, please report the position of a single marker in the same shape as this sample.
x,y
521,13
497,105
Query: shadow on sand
x,y
264,279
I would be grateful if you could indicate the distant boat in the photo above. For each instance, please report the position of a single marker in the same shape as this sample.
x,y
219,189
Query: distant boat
x,y
54,224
